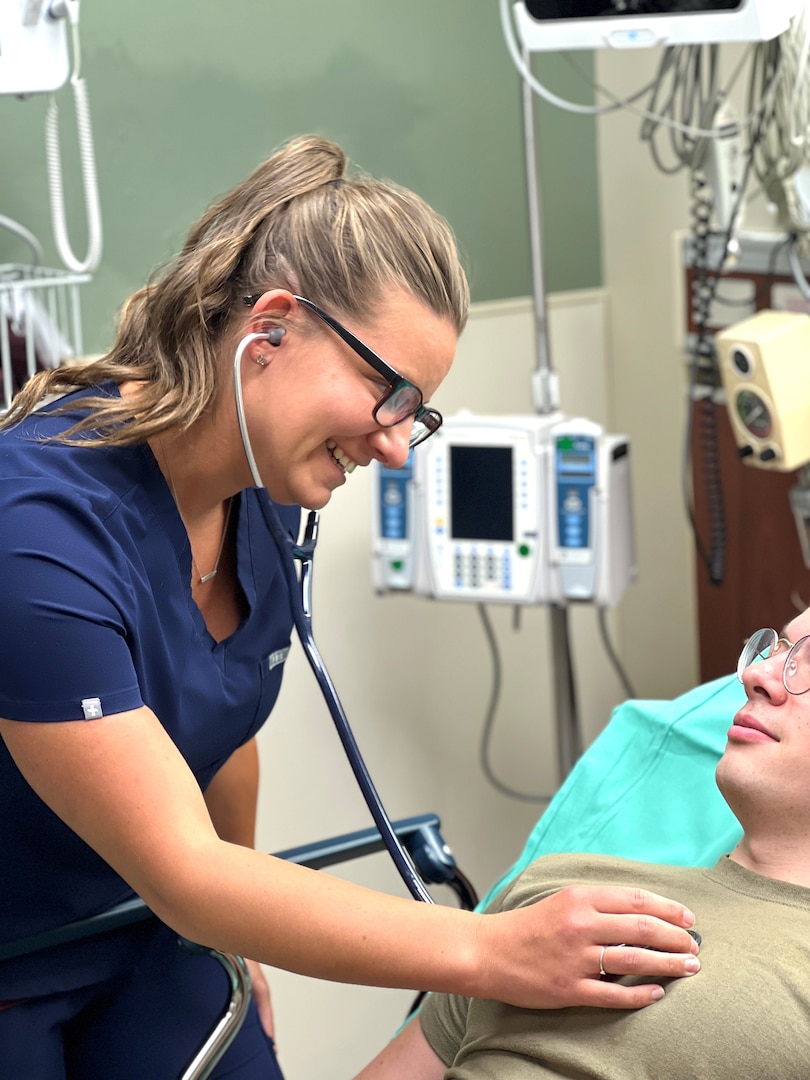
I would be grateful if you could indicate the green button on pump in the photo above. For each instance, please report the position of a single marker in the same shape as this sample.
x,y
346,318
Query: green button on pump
x,y
524,550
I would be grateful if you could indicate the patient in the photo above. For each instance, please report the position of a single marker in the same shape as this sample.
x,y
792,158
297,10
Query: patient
x,y
746,1013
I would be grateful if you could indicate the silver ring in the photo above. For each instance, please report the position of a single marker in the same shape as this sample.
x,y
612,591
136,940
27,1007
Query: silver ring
x,y
602,971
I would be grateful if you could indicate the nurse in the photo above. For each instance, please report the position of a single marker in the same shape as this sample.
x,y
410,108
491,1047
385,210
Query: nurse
x,y
144,626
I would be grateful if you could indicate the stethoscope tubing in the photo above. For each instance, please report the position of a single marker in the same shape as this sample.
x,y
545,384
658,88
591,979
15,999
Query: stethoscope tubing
x,y
300,591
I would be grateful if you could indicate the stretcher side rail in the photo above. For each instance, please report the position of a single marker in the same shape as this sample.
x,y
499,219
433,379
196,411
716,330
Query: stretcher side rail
x,y
420,836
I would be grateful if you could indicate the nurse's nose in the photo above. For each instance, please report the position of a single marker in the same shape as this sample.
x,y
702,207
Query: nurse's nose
x,y
390,445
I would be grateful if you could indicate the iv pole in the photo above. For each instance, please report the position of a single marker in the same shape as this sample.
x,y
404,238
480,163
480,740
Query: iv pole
x,y
569,740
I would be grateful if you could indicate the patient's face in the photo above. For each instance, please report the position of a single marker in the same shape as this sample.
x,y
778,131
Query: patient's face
x,y
765,764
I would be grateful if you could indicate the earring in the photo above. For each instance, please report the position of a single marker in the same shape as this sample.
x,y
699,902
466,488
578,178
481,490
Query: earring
x,y
262,360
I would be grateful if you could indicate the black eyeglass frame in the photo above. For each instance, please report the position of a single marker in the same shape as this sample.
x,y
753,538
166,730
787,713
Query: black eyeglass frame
x,y
430,419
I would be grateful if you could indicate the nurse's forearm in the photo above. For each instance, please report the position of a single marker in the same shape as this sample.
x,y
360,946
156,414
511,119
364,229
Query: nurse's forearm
x,y
315,924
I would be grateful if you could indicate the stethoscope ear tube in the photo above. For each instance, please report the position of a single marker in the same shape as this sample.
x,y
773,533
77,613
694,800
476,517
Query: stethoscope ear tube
x,y
301,608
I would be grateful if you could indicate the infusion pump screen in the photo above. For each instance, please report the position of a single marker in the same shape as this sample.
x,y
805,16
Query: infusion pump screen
x,y
481,497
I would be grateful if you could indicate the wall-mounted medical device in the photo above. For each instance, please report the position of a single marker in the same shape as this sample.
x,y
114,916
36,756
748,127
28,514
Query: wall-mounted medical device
x,y
764,363
508,509
34,57
392,534
549,25
592,540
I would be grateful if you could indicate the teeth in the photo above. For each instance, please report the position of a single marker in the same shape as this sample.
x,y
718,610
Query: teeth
x,y
343,460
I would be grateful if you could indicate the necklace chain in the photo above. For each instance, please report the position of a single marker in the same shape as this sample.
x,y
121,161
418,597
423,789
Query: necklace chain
x,y
201,578
213,573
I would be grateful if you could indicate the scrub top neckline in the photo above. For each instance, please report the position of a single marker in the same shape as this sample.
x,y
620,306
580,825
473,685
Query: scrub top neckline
x,y
169,515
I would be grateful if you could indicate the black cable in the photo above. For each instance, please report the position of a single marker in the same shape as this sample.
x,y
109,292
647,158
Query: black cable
x,y
704,362
702,355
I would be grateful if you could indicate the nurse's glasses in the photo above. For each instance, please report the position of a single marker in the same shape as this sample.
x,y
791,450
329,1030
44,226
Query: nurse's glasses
x,y
765,644
400,401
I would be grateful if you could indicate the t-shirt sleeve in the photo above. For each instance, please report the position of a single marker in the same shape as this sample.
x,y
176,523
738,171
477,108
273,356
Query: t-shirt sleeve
x,y
444,1021
444,1016
63,630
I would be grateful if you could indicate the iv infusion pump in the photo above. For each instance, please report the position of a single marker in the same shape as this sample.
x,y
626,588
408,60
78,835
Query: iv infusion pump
x,y
510,509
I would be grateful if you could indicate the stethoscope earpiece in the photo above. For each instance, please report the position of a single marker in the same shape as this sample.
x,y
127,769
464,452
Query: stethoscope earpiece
x,y
273,337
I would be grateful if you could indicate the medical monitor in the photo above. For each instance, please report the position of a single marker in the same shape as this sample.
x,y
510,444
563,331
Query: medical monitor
x,y
33,48
549,25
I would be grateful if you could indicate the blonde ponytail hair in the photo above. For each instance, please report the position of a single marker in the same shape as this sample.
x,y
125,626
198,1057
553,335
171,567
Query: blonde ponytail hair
x,y
299,222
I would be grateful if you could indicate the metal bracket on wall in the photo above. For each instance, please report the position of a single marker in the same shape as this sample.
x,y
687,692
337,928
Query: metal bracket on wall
x,y
760,277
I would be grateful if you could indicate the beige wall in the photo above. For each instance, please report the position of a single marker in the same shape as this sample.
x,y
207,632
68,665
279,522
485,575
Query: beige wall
x,y
415,677
641,209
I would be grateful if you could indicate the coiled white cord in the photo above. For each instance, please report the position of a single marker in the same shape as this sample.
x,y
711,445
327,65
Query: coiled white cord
x,y
88,167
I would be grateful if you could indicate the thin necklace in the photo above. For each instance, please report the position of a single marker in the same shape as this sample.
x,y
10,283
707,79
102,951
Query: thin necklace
x,y
201,578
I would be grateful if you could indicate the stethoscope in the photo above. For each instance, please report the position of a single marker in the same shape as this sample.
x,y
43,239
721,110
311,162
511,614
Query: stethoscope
x,y
300,590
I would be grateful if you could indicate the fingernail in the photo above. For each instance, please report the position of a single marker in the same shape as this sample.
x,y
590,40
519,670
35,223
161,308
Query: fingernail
x,y
688,917
692,965
657,993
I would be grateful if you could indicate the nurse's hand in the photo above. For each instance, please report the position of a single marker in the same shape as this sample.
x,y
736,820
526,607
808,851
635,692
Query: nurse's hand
x,y
547,955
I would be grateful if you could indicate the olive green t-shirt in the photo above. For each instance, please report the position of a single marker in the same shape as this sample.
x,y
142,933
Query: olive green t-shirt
x,y
746,1014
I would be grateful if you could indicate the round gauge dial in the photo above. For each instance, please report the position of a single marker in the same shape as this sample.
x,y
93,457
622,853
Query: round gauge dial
x,y
754,414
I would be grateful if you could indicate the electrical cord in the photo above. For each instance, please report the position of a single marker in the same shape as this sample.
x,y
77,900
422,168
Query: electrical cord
x,y
627,686
492,708
489,718
24,234
796,267
616,103
88,166
702,361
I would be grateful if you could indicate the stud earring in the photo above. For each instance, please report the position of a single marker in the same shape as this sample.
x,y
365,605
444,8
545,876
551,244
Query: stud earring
x,y
262,360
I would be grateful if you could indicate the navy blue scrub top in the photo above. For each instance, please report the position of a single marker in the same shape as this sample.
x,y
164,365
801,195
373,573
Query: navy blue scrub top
x,y
97,617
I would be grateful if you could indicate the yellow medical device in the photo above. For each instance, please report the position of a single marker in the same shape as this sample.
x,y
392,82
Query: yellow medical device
x,y
765,367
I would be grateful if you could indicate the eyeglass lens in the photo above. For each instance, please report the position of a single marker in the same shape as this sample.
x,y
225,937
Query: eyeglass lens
x,y
766,643
403,400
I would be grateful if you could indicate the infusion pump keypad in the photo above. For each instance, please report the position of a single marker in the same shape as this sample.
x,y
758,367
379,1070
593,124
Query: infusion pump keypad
x,y
476,569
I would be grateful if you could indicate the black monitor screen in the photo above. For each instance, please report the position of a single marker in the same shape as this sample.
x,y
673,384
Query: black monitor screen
x,y
600,9
481,493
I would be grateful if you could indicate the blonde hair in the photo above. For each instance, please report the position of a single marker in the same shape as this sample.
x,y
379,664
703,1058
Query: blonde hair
x,y
298,222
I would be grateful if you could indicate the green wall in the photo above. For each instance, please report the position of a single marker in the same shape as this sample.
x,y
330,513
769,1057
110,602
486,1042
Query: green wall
x,y
187,97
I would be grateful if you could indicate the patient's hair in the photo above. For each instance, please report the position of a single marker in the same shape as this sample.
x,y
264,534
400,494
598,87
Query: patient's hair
x,y
298,222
